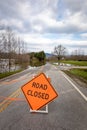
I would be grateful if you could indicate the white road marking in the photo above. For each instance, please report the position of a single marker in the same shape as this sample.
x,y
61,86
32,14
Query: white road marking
x,y
85,98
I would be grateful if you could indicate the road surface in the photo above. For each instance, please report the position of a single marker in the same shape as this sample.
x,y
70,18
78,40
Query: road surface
x,y
67,112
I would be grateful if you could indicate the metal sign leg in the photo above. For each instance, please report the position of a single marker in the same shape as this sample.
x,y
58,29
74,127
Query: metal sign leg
x,y
40,111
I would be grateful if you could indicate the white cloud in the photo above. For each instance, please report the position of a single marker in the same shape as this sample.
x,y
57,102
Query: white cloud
x,y
35,19
41,16
14,23
37,42
84,36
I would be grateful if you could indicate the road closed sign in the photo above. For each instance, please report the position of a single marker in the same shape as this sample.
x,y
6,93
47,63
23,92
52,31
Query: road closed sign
x,y
39,92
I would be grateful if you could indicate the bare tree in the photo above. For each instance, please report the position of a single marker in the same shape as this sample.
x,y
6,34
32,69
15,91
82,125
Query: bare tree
x,y
59,51
3,55
78,54
9,45
22,56
9,36
12,50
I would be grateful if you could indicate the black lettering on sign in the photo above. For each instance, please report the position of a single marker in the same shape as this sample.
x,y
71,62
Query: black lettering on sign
x,y
45,86
47,96
38,94
33,84
29,92
40,86
35,94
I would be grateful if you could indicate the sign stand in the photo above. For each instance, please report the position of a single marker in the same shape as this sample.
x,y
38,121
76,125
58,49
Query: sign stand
x,y
35,97
40,111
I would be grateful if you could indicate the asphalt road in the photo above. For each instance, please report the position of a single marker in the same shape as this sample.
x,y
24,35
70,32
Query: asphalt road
x,y
67,112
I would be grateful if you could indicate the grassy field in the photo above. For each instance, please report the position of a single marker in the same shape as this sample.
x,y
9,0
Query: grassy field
x,y
3,75
82,73
80,63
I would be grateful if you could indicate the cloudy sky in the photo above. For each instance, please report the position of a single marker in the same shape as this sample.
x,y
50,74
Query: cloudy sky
x,y
44,24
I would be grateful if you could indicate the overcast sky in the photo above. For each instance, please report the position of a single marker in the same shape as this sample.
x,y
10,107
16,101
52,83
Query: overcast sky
x,y
44,24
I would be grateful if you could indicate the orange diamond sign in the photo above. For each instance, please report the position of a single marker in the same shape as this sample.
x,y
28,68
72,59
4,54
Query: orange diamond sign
x,y
39,92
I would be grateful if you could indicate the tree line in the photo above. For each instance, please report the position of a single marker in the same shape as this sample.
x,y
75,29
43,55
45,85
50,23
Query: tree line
x,y
12,50
60,52
37,58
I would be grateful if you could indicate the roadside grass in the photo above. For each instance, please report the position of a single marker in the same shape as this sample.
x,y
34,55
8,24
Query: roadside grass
x,y
80,63
79,73
3,75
